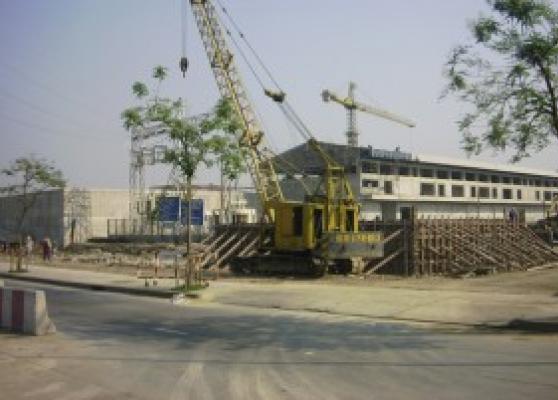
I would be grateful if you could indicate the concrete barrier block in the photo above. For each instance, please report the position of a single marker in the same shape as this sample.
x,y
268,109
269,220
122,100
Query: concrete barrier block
x,y
25,311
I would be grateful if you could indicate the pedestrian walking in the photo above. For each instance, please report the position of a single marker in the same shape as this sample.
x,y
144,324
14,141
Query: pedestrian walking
x,y
47,248
29,244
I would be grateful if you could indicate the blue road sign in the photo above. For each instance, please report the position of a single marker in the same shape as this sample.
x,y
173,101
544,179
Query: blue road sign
x,y
168,209
197,212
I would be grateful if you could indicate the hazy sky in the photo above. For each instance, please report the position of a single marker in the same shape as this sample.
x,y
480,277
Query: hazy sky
x,y
66,67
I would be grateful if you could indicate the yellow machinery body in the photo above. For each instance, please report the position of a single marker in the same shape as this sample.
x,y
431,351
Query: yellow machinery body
x,y
324,224
301,226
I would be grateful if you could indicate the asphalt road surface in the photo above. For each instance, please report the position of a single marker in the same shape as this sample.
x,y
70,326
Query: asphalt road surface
x,y
112,346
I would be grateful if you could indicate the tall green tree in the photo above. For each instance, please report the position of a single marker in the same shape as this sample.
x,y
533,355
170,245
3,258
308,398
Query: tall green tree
x,y
508,75
196,142
27,177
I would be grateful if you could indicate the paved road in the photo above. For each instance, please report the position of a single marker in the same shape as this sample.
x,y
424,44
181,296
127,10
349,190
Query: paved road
x,y
113,346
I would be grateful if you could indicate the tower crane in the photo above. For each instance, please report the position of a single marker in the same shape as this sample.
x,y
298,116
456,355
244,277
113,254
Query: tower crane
x,y
322,226
353,106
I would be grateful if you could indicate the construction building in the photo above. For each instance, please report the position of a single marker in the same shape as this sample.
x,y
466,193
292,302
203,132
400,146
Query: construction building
x,y
76,215
389,182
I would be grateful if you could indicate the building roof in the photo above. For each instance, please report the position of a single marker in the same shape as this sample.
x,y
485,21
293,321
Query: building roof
x,y
307,161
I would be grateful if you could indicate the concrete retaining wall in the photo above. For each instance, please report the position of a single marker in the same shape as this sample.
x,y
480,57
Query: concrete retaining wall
x,y
24,311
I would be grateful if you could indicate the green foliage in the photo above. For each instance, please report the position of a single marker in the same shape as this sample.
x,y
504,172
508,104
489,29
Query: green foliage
x,y
202,141
160,73
30,174
132,118
140,90
512,86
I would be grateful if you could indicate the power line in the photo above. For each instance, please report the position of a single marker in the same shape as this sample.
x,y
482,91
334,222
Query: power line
x,y
49,113
69,99
41,128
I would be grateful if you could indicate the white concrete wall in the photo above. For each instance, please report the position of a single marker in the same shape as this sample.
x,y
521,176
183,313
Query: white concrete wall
x,y
107,204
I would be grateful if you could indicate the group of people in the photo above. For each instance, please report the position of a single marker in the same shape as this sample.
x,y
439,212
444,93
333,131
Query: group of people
x,y
46,247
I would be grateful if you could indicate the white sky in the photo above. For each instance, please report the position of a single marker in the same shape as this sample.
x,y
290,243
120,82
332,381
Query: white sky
x,y
67,67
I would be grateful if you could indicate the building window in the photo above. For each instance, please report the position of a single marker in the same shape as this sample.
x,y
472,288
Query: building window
x,y
388,187
494,179
386,169
404,171
547,183
537,195
473,191
537,182
547,195
426,173
516,180
441,190
470,176
506,180
484,192
441,174
494,193
457,175
457,191
370,183
483,178
369,167
427,189
519,194
507,194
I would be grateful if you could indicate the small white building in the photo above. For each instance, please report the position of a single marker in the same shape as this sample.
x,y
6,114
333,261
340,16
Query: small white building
x,y
388,182
75,215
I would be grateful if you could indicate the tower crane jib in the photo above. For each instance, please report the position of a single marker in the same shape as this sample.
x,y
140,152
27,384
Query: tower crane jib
x,y
351,105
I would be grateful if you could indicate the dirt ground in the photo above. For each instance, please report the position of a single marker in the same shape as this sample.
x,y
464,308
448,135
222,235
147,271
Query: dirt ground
x,y
539,280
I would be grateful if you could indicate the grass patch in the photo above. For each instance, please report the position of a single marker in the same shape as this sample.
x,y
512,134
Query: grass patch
x,y
194,287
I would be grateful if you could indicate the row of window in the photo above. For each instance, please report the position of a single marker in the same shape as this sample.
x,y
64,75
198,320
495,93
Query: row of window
x,y
480,192
403,170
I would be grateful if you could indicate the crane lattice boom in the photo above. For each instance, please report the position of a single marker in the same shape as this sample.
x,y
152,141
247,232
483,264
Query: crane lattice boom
x,y
230,86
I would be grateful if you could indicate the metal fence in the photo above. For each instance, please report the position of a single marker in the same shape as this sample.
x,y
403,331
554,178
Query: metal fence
x,y
156,230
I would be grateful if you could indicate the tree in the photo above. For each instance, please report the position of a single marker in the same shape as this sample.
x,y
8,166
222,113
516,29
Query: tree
x,y
509,77
29,176
198,141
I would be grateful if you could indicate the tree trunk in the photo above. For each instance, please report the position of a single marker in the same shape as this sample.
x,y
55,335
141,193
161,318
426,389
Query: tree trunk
x,y
222,208
189,214
188,231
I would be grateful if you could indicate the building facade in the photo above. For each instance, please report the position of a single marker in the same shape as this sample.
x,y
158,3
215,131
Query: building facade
x,y
388,182
75,215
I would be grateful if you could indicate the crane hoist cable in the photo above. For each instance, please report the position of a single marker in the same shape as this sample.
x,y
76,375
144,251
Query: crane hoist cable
x,y
183,17
277,96
250,47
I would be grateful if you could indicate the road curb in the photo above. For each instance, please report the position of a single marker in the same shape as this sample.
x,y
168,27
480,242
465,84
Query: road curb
x,y
165,294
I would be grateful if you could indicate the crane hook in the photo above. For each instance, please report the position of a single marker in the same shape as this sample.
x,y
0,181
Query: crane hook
x,y
183,65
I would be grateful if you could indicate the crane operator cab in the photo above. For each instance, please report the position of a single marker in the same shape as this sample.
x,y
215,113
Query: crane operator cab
x,y
328,231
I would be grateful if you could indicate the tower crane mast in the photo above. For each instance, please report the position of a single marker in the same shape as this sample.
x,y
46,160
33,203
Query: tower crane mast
x,y
231,87
352,106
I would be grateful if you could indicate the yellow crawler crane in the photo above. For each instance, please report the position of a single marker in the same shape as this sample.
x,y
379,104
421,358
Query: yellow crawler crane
x,y
308,236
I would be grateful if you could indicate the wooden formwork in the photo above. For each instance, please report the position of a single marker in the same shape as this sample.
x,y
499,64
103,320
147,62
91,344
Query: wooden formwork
x,y
450,246
231,241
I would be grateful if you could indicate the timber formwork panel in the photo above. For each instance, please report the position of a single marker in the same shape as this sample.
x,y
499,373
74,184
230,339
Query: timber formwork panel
x,y
450,246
